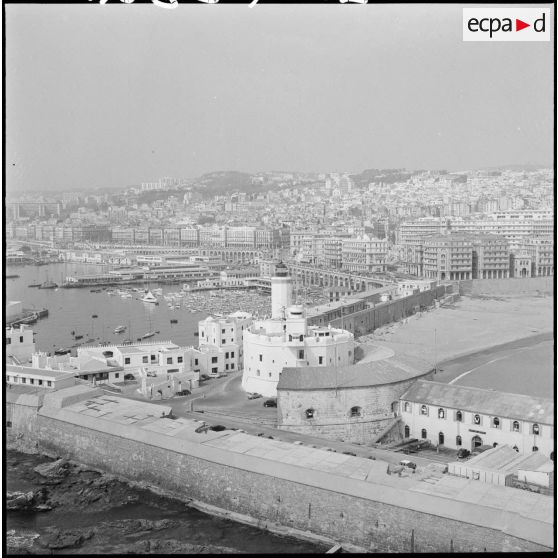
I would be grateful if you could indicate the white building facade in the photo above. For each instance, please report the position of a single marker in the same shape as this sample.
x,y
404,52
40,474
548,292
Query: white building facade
x,y
466,417
286,340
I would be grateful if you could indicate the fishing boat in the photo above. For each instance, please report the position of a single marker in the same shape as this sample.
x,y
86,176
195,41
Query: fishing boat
x,y
34,285
149,297
148,334
120,329
48,285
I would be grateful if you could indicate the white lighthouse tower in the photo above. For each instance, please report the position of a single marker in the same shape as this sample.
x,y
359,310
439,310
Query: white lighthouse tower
x,y
281,291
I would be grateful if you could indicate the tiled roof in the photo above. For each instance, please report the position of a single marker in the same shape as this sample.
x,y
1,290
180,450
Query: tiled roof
x,y
485,401
358,375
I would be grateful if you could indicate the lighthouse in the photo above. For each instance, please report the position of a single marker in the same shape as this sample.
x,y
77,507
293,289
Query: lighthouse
x,y
281,291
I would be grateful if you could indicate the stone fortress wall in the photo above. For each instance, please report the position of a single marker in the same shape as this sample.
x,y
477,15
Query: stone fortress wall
x,y
346,509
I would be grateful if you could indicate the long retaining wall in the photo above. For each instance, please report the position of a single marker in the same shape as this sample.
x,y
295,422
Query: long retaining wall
x,y
371,516
366,321
512,286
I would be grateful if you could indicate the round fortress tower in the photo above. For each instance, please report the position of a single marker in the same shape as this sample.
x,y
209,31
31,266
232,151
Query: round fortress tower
x,y
281,291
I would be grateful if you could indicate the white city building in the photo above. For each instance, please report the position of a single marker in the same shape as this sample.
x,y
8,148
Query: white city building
x,y
19,344
286,340
467,417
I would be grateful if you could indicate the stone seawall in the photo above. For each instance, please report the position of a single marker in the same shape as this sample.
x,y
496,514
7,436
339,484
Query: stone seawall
x,y
288,495
512,286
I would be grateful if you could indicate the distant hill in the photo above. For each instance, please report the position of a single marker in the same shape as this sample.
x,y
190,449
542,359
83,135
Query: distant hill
x,y
223,182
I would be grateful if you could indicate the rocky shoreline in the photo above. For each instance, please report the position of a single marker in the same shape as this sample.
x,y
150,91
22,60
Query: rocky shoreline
x,y
61,507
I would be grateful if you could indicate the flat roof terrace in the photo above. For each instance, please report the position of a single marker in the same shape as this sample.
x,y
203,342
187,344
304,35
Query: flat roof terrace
x,y
516,512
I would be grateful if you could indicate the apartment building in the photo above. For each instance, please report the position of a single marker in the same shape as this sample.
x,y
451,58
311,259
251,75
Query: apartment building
x,y
364,254
448,257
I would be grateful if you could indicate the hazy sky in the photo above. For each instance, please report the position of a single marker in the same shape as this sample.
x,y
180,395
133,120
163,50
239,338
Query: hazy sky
x,y
109,95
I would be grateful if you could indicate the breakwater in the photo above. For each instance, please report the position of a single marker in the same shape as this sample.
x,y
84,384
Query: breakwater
x,y
266,479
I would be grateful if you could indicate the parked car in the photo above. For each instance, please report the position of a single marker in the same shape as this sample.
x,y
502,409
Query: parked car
x,y
218,428
270,403
254,395
183,392
129,377
408,464
462,453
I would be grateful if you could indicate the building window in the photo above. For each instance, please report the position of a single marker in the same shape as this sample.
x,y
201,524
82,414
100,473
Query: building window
x,y
320,360
407,407
257,372
222,331
226,366
441,413
424,410
9,341
213,360
515,426
9,423
458,441
23,380
407,431
127,360
226,355
535,448
153,357
31,381
169,360
261,358
40,382
21,339
496,422
423,433
309,413
144,359
179,359
117,375
195,362
356,412
232,365
214,370
459,416
536,429
301,355
477,419
49,383
301,337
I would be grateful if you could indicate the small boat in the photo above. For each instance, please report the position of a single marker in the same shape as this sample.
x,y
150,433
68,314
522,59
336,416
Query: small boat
x,y
174,321
120,329
13,276
94,316
149,297
48,285
62,351
148,334
34,285
78,337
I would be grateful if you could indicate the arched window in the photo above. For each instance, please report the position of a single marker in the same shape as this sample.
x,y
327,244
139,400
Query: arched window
x,y
536,429
407,431
515,426
424,410
356,412
441,413
477,419
535,448
407,407
459,416
496,422
423,433
458,441
310,413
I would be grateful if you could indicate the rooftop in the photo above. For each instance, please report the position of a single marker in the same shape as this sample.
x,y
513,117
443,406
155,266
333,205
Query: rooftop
x,y
30,371
485,401
367,374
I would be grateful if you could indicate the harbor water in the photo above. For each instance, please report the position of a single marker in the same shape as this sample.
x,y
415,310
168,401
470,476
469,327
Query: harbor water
x,y
72,310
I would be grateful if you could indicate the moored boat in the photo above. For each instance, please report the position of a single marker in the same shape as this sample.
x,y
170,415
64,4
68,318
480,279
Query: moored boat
x,y
48,285
120,329
149,297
